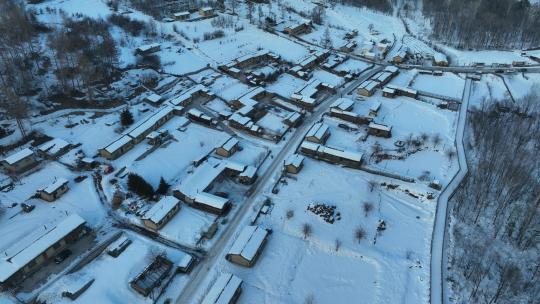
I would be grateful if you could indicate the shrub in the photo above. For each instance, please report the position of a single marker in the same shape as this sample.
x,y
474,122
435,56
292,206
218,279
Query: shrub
x,y
139,185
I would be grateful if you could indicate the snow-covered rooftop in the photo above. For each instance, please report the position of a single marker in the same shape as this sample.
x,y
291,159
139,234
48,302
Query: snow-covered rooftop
x,y
18,156
53,146
248,242
223,289
10,264
160,209
55,186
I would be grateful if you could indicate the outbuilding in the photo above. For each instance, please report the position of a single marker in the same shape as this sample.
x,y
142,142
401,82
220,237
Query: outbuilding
x,y
54,190
248,246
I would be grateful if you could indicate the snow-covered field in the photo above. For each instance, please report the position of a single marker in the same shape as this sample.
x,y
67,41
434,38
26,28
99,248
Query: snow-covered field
x,y
380,255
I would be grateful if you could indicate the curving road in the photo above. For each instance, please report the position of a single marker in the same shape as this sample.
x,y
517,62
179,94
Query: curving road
x,y
438,287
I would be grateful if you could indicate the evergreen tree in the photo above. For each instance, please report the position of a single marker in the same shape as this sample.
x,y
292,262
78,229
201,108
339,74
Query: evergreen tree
x,y
126,118
139,185
163,187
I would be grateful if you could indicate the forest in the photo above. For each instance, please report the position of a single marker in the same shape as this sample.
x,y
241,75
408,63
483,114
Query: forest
x,y
494,254
484,24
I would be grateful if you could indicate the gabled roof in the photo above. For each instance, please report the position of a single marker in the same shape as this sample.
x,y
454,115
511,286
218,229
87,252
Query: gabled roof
x,y
18,156
248,242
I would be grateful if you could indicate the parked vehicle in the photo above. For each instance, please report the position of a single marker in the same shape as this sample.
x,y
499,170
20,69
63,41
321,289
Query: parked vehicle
x,y
27,207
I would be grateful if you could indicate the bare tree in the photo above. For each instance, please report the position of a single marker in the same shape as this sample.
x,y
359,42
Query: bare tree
x,y
306,230
371,185
359,234
337,244
367,206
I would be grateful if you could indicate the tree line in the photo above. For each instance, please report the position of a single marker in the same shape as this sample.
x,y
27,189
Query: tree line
x,y
496,216
491,24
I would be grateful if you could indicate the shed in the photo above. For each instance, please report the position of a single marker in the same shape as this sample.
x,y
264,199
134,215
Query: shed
x,y
54,190
248,246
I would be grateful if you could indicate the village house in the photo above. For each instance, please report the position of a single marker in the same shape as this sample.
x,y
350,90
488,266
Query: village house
x,y
351,34
148,49
161,212
294,163
53,148
206,11
188,96
293,120
117,148
348,46
193,190
248,176
198,116
332,155
400,56
19,161
388,92
309,95
228,148
370,55
382,78
181,16
391,69
226,290
157,137
29,254
402,91
380,130
318,133
54,190
374,109
156,120
152,275
367,88
153,99
300,28
343,104
248,246
440,60
350,116
240,122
